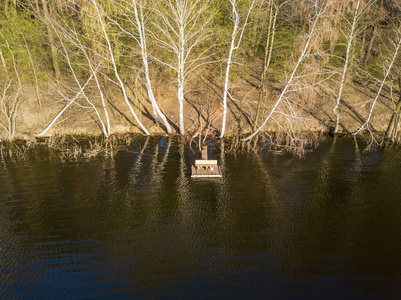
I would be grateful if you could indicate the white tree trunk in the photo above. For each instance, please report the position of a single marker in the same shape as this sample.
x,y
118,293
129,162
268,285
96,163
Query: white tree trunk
x,y
233,46
365,125
144,53
65,107
230,55
350,40
181,76
115,69
73,37
180,94
291,77
180,28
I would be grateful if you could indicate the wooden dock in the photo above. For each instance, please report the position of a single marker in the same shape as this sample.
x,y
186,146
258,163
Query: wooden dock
x,y
206,169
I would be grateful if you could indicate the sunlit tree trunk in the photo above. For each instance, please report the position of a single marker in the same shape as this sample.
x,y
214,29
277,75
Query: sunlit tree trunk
x,y
3,62
114,65
348,56
70,102
366,124
11,96
303,55
181,26
236,37
144,54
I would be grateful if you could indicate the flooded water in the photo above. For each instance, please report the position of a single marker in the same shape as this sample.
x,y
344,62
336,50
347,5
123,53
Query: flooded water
x,y
136,225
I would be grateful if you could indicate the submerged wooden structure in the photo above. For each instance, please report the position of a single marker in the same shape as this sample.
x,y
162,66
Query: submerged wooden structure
x,y
205,168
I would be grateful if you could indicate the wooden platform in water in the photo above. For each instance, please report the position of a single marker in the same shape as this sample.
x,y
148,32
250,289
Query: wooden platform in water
x,y
205,169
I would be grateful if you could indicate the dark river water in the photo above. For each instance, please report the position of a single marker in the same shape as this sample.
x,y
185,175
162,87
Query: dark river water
x,y
327,226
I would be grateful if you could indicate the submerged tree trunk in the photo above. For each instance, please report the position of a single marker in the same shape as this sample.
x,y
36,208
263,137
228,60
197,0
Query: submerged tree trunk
x,y
391,131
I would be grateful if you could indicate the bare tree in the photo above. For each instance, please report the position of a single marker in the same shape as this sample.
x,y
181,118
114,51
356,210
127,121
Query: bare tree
x,y
9,103
70,101
273,9
86,62
74,39
236,37
10,97
397,45
350,31
100,16
182,26
136,8
93,55
291,84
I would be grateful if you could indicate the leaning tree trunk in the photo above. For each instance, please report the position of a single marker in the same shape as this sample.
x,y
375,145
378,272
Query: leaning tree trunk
x,y
393,124
303,55
115,68
365,125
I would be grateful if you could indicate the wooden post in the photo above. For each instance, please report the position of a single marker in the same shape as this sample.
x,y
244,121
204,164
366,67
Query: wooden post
x,y
204,152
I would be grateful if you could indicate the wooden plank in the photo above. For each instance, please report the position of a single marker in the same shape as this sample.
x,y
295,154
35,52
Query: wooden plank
x,y
200,162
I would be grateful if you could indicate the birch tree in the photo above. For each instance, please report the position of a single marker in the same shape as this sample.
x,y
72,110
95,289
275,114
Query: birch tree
x,y
100,17
73,38
133,12
387,69
181,28
81,60
10,94
273,9
70,101
313,30
236,37
350,31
